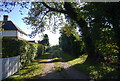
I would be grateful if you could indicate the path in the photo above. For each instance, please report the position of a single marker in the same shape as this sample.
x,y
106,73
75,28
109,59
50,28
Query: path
x,y
48,71
69,72
72,73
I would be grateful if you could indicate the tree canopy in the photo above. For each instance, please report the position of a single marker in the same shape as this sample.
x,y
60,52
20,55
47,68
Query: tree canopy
x,y
99,24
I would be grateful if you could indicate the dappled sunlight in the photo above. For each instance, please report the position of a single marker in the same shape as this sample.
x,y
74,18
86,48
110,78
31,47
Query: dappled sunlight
x,y
44,56
36,67
45,60
51,60
60,71
31,70
88,35
100,71
79,60
97,71
60,68
66,73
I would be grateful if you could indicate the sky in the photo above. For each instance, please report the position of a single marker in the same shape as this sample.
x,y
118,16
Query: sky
x,y
16,18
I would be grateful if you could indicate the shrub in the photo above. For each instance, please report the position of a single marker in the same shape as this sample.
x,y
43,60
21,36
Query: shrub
x,y
40,50
27,51
10,47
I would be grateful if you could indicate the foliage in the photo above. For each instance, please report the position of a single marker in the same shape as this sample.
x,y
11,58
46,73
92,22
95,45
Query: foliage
x,y
40,50
71,42
1,29
27,51
45,40
90,18
98,23
10,47
42,11
103,30
97,72
29,72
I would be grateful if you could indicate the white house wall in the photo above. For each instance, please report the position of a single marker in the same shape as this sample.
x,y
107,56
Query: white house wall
x,y
9,33
13,34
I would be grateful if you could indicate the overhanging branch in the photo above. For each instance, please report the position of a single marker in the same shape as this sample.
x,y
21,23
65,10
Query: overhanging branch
x,y
53,9
44,15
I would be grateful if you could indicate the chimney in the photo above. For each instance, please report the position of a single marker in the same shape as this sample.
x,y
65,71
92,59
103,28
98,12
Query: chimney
x,y
5,17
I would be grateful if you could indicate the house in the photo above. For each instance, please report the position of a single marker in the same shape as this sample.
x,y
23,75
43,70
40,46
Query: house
x,y
11,30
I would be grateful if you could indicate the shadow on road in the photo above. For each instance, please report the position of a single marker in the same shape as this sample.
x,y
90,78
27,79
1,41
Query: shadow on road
x,y
66,73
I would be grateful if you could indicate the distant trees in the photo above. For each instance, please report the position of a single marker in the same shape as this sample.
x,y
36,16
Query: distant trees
x,y
45,42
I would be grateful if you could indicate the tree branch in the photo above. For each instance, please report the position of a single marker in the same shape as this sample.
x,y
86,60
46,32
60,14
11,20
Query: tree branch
x,y
53,9
44,15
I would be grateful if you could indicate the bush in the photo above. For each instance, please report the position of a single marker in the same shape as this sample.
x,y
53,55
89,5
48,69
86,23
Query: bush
x,y
40,50
27,51
10,47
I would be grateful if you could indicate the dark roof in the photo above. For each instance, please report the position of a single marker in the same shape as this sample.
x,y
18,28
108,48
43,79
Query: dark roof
x,y
9,25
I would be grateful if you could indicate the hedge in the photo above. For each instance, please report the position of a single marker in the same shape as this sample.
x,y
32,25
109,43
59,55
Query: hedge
x,y
28,51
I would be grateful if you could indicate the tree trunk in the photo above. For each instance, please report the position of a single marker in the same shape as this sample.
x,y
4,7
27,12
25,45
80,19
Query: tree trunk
x,y
90,47
89,44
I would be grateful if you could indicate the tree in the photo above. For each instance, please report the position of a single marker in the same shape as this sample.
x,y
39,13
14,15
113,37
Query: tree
x,y
68,9
99,24
45,40
83,15
101,20
40,11
71,42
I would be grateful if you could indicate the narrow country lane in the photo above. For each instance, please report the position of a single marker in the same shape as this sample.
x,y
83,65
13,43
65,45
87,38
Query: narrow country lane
x,y
68,72
48,71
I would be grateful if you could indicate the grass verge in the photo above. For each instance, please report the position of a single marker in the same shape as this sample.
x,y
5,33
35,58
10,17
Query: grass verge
x,y
100,71
29,72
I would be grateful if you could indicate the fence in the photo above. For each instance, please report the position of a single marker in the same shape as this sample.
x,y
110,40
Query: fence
x,y
9,66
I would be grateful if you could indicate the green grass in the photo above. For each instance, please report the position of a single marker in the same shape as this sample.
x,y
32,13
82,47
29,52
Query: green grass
x,y
79,60
67,57
44,56
29,72
100,71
